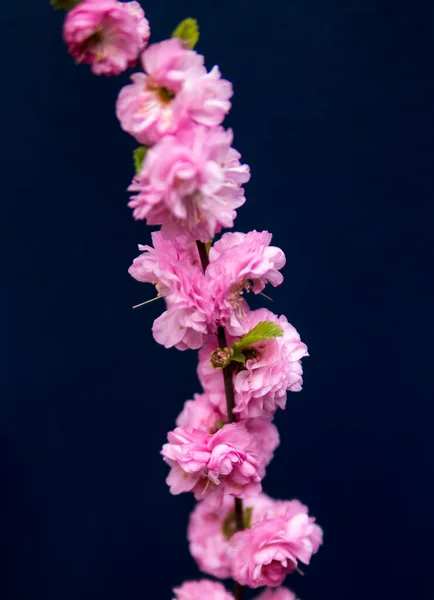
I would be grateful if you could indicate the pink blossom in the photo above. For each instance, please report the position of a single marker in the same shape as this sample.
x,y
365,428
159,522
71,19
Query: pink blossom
x,y
204,412
276,594
290,511
160,263
208,543
208,98
272,548
173,266
241,263
273,368
174,90
190,183
202,590
107,34
215,464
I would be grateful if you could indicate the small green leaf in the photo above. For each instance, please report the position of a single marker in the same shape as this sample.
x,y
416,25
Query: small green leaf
x,y
238,357
188,31
65,4
264,330
138,157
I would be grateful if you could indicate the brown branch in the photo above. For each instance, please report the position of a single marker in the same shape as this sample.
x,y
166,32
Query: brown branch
x,y
230,403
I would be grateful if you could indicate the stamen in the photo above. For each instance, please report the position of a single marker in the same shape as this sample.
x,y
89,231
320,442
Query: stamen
x,y
206,487
148,301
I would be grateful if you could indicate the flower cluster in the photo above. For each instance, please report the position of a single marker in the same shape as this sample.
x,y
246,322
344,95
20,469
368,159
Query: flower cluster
x,y
239,263
190,183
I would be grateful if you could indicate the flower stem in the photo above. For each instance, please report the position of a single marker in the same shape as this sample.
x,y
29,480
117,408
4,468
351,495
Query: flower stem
x,y
203,253
230,403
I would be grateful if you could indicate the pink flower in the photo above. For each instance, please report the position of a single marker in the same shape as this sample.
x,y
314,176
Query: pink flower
x,y
159,264
191,182
202,590
107,34
276,594
207,535
273,368
204,412
174,90
173,266
241,263
215,464
208,545
272,548
208,98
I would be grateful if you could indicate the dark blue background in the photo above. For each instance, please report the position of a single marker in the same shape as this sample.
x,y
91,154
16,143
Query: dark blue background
x,y
333,110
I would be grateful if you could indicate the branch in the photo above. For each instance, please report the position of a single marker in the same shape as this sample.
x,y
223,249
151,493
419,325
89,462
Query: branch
x,y
230,403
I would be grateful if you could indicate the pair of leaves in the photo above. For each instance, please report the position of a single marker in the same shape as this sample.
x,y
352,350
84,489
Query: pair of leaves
x,y
264,330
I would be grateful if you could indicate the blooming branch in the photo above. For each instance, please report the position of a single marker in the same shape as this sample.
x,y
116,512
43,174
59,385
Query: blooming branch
x,y
189,182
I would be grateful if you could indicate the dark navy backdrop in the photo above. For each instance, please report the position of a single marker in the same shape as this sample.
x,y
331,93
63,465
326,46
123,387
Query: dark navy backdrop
x,y
333,111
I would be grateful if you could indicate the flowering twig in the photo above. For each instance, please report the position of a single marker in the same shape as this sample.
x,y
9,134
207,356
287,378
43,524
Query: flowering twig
x,y
189,180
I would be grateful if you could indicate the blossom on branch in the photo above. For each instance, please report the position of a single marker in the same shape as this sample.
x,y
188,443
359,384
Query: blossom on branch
x,y
173,266
272,368
272,548
230,461
175,90
191,182
210,527
240,263
107,34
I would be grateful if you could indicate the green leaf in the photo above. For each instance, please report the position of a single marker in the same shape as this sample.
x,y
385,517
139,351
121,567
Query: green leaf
x,y
188,31
264,330
65,4
238,357
138,157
